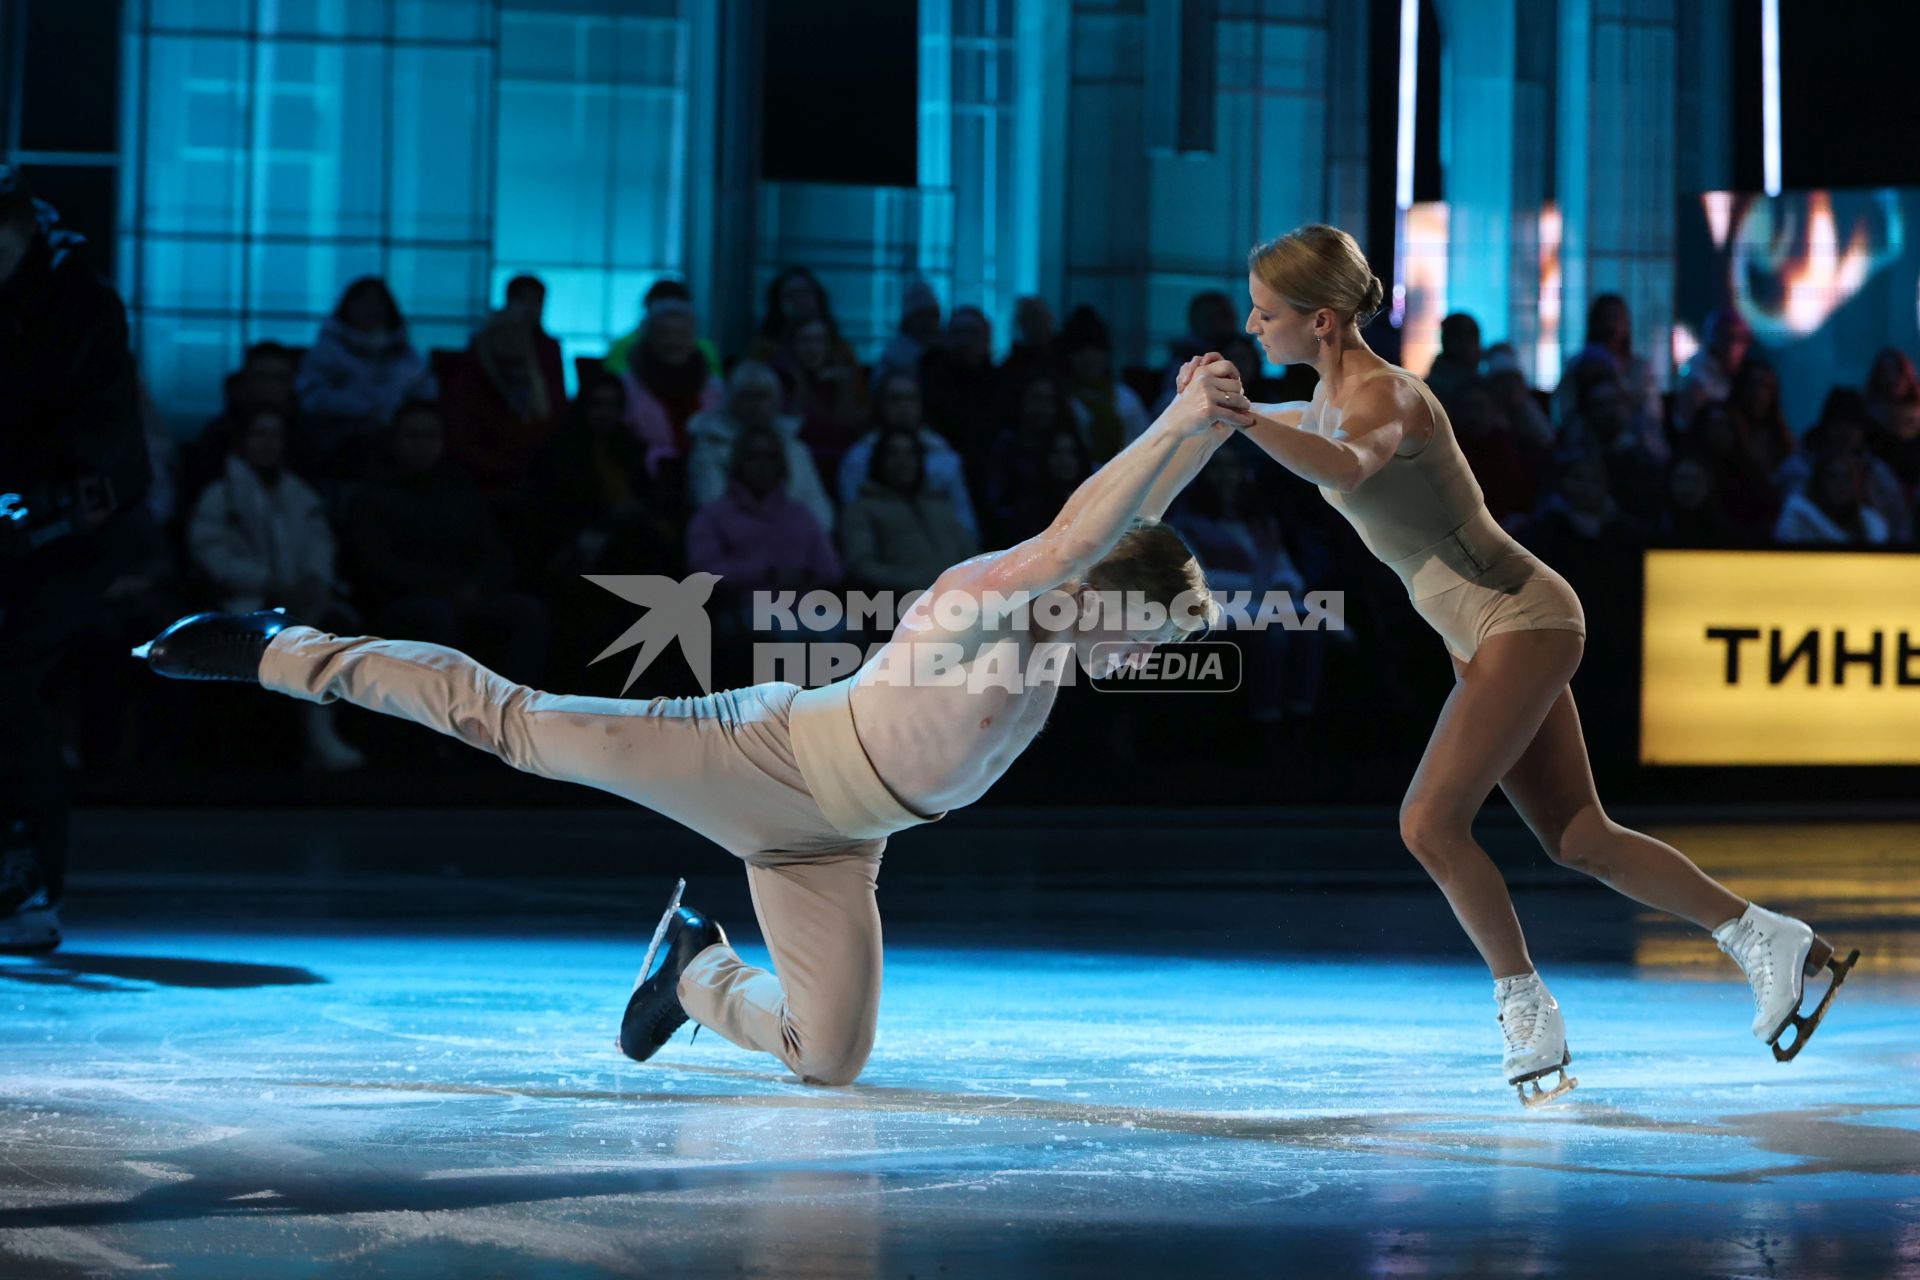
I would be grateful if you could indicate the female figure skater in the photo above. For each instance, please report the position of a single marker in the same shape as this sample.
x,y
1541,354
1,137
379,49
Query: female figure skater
x,y
1379,446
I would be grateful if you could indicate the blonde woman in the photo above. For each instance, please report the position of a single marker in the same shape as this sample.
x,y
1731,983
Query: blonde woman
x,y
1379,446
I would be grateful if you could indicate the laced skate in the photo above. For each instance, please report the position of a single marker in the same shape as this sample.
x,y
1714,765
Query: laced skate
x,y
1536,1038
1778,954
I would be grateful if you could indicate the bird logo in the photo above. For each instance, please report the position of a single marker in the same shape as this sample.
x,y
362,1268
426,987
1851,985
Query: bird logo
x,y
674,611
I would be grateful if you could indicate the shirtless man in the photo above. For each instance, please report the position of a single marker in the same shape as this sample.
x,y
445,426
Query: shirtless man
x,y
804,786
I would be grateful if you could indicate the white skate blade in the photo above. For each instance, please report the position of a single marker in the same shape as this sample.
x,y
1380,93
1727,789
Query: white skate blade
x,y
1805,1024
1541,1097
660,933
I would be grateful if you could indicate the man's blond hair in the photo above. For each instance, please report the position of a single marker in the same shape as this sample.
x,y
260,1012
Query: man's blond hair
x,y
1152,562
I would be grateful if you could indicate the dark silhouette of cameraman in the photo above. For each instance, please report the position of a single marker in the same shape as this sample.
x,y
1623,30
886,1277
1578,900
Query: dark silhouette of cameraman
x,y
73,462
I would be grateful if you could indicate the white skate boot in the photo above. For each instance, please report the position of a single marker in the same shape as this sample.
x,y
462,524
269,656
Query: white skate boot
x,y
1536,1038
1778,955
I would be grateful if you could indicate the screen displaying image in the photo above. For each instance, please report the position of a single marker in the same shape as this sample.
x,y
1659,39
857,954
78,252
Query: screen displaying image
x,y
1826,278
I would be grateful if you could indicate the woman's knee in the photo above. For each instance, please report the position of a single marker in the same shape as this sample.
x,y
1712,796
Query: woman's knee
x,y
1434,833
1579,843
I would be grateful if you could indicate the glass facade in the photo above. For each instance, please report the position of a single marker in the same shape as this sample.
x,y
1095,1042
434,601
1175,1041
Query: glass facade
x,y
277,149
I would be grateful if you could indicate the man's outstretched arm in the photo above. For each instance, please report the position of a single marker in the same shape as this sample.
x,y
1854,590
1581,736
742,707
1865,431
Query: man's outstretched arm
x,y
1148,471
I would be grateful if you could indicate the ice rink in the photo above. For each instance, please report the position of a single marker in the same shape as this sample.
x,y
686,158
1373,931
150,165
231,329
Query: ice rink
x,y
336,1071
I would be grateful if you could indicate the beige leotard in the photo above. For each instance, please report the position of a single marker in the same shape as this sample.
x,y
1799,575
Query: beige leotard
x,y
1423,515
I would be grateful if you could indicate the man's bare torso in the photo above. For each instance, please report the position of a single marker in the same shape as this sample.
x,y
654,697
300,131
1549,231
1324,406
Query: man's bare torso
x,y
940,744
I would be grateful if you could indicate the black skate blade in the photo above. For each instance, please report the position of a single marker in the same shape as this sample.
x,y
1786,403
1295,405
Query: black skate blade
x,y
1804,1025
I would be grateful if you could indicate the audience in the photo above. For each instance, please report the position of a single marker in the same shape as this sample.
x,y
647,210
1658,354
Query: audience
x,y
1610,344
1017,473
828,393
1755,405
620,356
1236,535
1498,460
667,379
1607,426
346,446
1893,399
362,367
1708,377
899,533
1032,346
753,403
1832,509
500,406
1845,425
755,536
259,539
592,507
1692,515
1459,360
796,297
919,333
1745,491
960,386
265,381
899,409
1531,427
528,296
1212,322
1113,413
429,561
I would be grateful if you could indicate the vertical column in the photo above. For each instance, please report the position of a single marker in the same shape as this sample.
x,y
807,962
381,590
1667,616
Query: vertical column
x,y
723,187
1535,327
1705,101
972,89
1478,130
1573,132
1618,120
1042,49
1347,106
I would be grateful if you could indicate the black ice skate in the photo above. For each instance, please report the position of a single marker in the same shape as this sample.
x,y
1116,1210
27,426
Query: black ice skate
x,y
215,646
654,1013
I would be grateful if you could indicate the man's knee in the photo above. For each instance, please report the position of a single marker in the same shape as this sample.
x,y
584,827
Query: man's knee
x,y
837,1065
833,1055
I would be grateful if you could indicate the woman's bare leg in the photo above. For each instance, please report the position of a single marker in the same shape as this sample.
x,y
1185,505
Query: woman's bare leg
x,y
1552,788
1497,705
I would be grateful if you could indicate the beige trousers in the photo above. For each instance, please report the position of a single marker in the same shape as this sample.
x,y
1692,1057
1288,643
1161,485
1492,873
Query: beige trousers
x,y
773,774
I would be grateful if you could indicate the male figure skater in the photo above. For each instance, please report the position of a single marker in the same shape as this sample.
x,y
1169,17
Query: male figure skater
x,y
804,786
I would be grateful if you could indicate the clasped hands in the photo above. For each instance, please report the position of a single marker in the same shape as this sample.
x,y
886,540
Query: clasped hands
x,y
1209,397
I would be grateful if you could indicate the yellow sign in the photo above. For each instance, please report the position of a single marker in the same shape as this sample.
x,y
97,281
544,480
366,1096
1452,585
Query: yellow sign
x,y
1780,657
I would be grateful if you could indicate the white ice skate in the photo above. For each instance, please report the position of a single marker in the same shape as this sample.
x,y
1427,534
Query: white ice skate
x,y
1778,955
1536,1038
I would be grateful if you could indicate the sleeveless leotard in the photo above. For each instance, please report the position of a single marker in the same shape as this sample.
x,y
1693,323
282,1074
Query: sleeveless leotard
x,y
1423,516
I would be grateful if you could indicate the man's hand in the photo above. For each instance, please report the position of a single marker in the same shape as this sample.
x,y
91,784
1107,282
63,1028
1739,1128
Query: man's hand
x,y
1195,365
1210,400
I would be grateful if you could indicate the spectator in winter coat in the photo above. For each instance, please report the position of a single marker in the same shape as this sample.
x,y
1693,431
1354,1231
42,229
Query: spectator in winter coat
x,y
899,535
